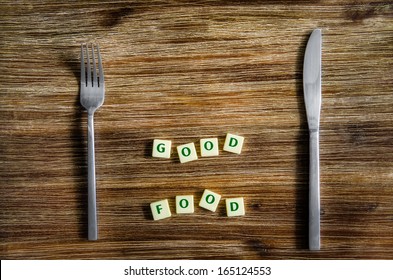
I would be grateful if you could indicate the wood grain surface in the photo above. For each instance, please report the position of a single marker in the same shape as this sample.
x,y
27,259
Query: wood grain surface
x,y
184,70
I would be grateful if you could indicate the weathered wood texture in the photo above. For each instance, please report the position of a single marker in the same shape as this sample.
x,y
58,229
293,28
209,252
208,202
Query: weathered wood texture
x,y
183,70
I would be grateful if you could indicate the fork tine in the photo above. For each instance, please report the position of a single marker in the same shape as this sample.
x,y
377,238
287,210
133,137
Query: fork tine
x,y
95,82
100,70
88,66
83,73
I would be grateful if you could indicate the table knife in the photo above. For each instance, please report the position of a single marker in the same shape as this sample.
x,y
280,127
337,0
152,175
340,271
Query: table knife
x,y
312,97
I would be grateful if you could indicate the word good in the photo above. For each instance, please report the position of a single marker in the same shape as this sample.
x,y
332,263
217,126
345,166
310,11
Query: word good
x,y
208,148
185,205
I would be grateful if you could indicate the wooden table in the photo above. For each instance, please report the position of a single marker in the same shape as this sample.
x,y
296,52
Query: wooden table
x,y
182,71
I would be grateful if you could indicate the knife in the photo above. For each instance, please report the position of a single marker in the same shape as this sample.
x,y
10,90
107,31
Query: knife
x,y
312,98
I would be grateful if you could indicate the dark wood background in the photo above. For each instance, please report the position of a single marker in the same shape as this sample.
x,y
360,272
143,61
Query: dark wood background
x,y
184,70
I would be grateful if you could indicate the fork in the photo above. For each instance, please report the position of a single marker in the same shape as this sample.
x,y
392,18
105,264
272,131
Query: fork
x,y
92,93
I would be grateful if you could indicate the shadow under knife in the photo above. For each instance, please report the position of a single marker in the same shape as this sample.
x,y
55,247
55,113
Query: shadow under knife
x,y
302,156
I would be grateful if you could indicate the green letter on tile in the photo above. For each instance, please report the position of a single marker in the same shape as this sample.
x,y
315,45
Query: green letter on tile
x,y
208,145
184,150
234,206
210,199
161,148
158,208
185,204
233,142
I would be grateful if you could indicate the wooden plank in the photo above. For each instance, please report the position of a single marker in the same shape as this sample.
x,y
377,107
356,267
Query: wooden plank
x,y
184,70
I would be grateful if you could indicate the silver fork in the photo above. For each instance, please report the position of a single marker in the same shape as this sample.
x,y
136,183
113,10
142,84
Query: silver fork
x,y
92,93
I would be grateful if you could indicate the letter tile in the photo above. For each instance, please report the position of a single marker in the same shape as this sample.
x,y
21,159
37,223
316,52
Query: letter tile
x,y
210,200
209,147
161,148
187,152
233,143
160,209
235,206
184,204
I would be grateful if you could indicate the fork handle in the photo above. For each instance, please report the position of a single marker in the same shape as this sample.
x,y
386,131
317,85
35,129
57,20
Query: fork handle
x,y
91,193
314,196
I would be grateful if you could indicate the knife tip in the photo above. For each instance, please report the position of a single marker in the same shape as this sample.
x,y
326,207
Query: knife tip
x,y
317,31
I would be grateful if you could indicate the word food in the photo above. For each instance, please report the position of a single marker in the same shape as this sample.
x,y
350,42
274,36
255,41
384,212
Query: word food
x,y
185,205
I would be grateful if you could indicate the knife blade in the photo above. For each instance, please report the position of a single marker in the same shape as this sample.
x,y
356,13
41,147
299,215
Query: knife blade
x,y
312,97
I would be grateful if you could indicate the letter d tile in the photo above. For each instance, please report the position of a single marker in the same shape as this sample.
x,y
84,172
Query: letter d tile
x,y
235,206
233,143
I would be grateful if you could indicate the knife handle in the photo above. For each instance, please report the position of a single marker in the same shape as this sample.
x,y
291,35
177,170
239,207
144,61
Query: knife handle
x,y
314,196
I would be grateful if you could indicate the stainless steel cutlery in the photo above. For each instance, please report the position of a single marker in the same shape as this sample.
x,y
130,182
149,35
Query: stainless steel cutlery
x,y
92,93
312,97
